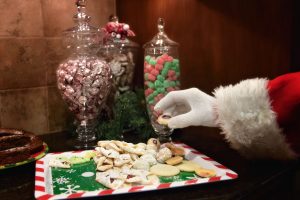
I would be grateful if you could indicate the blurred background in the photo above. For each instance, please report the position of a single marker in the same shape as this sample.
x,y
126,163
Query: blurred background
x,y
221,42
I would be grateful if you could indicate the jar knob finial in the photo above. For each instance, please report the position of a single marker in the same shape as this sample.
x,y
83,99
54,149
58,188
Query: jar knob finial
x,y
81,15
113,18
161,25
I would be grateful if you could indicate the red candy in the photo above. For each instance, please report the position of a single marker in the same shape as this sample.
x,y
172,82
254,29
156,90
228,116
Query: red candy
x,y
145,71
160,96
170,89
151,107
151,77
160,61
169,59
148,92
148,67
174,78
171,73
159,67
154,72
165,56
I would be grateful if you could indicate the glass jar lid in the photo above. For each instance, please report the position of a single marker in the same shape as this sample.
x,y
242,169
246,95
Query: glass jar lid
x,y
160,39
82,33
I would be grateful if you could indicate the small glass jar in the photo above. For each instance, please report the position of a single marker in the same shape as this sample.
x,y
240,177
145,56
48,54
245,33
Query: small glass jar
x,y
83,79
120,53
161,76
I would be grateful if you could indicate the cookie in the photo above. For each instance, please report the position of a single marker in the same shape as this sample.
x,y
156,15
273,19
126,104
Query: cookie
x,y
164,119
188,166
163,155
164,170
176,151
174,161
205,173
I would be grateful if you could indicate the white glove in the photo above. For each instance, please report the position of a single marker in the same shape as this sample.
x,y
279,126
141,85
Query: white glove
x,y
190,107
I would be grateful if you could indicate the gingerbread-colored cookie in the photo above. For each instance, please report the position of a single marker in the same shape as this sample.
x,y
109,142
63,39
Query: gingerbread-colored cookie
x,y
174,160
205,173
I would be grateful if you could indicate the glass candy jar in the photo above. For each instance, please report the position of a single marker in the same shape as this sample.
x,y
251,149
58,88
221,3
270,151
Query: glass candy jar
x,y
120,53
161,75
83,79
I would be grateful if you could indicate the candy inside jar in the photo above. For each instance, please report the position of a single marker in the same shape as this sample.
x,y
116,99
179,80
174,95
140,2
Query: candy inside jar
x,y
161,76
83,79
84,86
121,55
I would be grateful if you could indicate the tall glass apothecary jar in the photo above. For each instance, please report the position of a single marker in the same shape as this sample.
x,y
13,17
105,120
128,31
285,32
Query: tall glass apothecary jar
x,y
83,79
121,55
161,75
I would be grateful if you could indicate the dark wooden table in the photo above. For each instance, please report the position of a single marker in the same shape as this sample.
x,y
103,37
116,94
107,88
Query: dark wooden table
x,y
257,179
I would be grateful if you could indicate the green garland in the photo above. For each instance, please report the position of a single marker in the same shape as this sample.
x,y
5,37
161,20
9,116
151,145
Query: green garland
x,y
129,114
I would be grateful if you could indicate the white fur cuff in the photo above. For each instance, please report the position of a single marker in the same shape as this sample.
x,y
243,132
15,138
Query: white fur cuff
x,y
248,122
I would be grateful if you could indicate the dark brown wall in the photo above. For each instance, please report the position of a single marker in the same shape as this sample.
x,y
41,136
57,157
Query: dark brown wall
x,y
30,51
221,41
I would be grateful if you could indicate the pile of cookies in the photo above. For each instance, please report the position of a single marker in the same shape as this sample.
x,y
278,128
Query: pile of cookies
x,y
120,164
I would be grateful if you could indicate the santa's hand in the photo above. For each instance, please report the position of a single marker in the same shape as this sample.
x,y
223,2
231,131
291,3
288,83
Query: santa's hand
x,y
190,107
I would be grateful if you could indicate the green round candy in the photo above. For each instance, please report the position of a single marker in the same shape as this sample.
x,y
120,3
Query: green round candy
x,y
160,78
155,93
158,84
175,61
166,84
150,84
164,72
146,76
177,83
150,97
167,65
172,83
161,90
151,102
147,58
152,62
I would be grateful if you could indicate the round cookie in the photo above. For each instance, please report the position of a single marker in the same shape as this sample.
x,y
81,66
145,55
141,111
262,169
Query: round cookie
x,y
174,160
164,119
205,173
164,170
188,166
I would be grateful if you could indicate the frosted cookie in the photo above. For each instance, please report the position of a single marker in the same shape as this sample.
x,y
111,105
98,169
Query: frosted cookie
x,y
153,144
163,155
59,163
141,164
205,173
176,151
164,170
164,119
188,166
174,160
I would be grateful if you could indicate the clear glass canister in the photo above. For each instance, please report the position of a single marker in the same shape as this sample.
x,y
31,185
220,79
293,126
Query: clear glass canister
x,y
121,55
83,79
161,76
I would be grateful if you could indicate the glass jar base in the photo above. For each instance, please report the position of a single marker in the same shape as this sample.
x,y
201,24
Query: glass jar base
x,y
164,138
86,135
85,145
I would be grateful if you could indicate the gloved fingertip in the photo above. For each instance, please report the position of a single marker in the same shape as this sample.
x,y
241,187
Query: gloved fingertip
x,y
156,107
172,125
